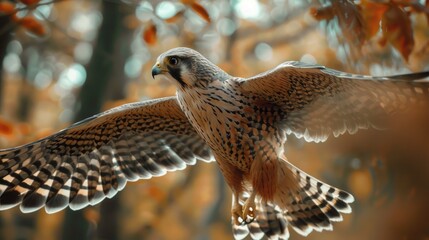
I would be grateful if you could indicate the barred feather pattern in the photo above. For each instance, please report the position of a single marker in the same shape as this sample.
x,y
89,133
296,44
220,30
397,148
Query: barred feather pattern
x,y
314,206
94,159
271,222
319,101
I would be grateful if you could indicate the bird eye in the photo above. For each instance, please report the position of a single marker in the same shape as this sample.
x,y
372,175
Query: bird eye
x,y
173,61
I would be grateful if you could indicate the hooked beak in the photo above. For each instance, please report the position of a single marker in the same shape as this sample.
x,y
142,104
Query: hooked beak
x,y
156,69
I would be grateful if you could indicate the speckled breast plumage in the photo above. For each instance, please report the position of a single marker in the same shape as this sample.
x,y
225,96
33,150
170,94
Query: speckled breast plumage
x,y
230,122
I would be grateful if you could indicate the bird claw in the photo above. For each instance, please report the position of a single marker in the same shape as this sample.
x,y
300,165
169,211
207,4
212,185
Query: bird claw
x,y
243,215
248,214
237,210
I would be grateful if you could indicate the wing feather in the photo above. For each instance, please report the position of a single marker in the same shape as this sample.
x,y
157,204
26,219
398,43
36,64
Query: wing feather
x,y
93,159
313,102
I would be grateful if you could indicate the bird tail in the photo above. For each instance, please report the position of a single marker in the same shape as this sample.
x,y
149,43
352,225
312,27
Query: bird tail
x,y
310,204
313,204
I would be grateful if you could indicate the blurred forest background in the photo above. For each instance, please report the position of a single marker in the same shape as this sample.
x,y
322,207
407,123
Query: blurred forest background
x,y
66,60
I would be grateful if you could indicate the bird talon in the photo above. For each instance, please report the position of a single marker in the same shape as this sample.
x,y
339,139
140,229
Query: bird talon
x,y
243,215
248,220
236,212
242,219
248,214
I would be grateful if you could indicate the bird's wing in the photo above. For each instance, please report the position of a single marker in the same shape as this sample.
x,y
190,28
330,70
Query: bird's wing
x,y
93,159
312,101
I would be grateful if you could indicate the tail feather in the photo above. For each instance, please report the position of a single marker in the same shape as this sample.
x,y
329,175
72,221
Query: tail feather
x,y
315,204
271,221
306,215
311,184
310,205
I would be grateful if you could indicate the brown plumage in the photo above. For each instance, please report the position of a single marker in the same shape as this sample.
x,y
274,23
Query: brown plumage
x,y
240,123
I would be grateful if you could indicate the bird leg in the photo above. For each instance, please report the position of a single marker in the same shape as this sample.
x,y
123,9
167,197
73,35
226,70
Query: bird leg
x,y
237,209
249,211
243,214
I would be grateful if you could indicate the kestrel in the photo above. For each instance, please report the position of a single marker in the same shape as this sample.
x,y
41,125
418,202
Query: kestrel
x,y
241,123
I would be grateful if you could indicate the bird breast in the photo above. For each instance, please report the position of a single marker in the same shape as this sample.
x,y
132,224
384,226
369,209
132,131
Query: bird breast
x,y
211,114
225,120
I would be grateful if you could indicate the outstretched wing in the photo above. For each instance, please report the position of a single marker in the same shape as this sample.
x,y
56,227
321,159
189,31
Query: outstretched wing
x,y
313,102
93,159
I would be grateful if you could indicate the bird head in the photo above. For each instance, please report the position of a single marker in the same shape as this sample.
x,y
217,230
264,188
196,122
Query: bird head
x,y
187,68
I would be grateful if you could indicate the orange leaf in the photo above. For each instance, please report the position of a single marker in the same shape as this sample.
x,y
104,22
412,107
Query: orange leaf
x,y
187,2
29,2
6,128
323,13
382,41
350,21
33,26
7,7
372,12
149,34
201,11
174,18
397,30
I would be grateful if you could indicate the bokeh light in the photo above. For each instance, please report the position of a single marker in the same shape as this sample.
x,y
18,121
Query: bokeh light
x,y
72,77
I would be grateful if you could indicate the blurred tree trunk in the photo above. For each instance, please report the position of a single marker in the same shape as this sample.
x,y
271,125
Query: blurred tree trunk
x,y
93,92
104,72
108,226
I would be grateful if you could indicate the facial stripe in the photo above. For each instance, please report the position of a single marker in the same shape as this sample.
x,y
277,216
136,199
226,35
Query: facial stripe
x,y
175,73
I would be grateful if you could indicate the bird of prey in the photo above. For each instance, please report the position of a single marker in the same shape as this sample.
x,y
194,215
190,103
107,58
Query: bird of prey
x,y
241,123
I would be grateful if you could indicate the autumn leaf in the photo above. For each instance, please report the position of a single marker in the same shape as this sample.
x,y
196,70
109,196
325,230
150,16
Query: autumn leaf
x,y
397,30
350,21
187,2
174,18
149,34
201,11
382,41
323,13
6,128
29,2
7,8
372,12
32,25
